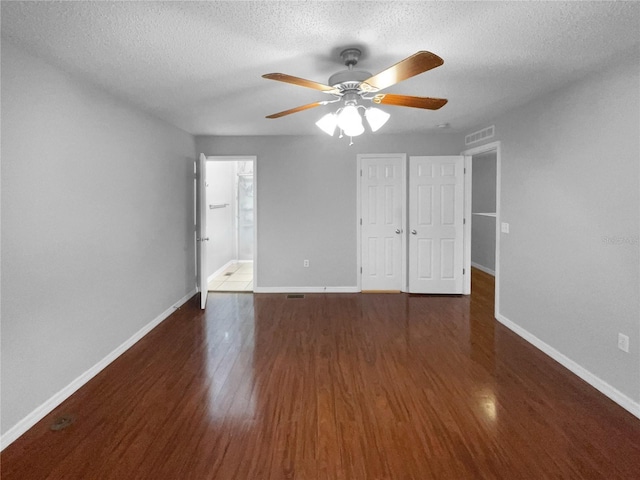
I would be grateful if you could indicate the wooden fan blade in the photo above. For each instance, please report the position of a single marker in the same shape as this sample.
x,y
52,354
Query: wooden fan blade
x,y
295,110
409,67
409,101
283,77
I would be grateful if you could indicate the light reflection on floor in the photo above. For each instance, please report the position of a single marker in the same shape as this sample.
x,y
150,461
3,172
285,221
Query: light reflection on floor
x,y
230,338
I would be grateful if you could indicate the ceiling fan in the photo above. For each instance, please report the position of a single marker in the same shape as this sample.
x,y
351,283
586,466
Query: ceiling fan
x,y
353,87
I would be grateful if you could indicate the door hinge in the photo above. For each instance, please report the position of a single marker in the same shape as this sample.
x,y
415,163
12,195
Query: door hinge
x,y
464,221
465,170
464,271
360,172
360,269
360,221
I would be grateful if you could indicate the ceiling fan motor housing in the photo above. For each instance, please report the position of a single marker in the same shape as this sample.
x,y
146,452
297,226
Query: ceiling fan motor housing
x,y
348,79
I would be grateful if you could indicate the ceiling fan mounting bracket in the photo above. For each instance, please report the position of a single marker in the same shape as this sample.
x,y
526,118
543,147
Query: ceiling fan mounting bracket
x,y
350,56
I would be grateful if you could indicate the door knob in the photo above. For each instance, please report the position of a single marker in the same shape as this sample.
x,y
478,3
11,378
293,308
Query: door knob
x,y
413,232
398,231
204,239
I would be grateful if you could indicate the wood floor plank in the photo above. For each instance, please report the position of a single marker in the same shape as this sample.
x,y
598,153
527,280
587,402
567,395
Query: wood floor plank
x,y
333,386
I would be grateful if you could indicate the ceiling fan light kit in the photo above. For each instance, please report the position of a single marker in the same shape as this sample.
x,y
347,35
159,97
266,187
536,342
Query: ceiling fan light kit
x,y
352,86
328,123
350,121
376,118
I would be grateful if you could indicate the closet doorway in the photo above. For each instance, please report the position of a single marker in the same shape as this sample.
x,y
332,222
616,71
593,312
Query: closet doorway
x,y
230,223
482,211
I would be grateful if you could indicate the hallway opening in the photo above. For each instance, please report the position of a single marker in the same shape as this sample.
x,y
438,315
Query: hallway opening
x,y
230,222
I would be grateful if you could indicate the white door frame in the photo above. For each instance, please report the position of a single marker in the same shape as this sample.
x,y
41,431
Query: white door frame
x,y
252,158
201,230
488,147
360,156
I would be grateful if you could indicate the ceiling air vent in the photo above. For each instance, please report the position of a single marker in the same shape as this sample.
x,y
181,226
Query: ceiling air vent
x,y
483,134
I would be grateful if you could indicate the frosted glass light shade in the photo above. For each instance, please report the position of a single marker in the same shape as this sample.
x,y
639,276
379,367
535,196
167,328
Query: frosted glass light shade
x,y
376,118
328,123
349,118
354,130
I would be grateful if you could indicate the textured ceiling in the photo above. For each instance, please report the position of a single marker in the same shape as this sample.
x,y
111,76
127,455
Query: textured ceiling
x,y
198,65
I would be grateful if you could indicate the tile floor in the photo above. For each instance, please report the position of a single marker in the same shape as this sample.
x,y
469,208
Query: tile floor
x,y
238,277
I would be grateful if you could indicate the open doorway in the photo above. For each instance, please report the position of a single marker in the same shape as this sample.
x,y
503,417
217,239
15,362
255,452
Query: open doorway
x,y
483,212
230,224
482,216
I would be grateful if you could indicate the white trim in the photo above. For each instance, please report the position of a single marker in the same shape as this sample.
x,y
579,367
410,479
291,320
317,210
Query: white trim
x,y
358,225
466,228
44,409
614,394
221,270
306,290
201,230
496,307
467,214
255,221
483,268
404,258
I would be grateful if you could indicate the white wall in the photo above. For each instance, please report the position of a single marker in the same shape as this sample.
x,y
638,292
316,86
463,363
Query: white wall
x,y
570,266
221,222
307,200
97,227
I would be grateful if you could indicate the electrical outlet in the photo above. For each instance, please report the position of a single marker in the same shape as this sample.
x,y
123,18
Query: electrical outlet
x,y
623,342
305,263
504,227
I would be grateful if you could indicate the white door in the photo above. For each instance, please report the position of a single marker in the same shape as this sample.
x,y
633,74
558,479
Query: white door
x,y
201,230
436,195
382,207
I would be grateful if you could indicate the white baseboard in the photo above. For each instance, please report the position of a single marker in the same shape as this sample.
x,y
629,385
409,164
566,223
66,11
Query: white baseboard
x,y
483,268
306,290
40,412
597,383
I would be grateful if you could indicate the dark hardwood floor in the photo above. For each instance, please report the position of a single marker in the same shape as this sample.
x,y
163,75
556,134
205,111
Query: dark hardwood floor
x,y
333,386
